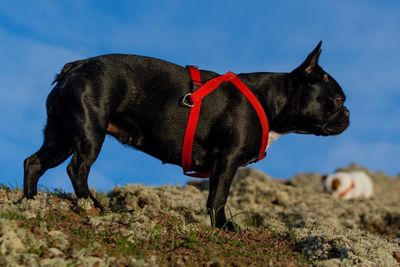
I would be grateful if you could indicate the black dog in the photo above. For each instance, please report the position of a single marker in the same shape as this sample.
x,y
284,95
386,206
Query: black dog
x,y
136,99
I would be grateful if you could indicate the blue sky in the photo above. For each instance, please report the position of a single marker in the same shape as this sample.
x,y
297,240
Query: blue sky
x,y
361,42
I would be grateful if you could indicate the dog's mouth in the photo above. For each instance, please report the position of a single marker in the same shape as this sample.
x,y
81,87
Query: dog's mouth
x,y
336,124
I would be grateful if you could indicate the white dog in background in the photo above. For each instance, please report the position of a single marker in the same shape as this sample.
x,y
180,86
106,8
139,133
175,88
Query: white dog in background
x,y
349,185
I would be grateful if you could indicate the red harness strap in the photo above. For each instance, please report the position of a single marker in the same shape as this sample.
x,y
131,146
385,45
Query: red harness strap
x,y
195,99
191,125
195,76
348,190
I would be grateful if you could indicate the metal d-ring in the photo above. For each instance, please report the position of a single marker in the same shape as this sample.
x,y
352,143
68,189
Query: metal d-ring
x,y
186,101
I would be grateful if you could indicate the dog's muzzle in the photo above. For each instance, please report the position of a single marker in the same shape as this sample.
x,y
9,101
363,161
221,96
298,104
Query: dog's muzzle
x,y
339,122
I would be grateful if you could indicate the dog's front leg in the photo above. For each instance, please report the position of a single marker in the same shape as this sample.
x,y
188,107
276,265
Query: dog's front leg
x,y
220,182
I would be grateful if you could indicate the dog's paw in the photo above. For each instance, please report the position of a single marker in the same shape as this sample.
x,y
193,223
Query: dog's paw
x,y
19,200
230,226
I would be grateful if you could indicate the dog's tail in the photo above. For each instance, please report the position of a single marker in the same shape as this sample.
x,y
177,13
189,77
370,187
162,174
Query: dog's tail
x,y
68,68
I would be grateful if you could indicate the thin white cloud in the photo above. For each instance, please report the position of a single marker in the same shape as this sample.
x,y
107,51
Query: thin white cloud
x,y
26,72
381,155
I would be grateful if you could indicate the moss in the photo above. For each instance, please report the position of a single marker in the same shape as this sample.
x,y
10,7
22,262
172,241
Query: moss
x,y
283,223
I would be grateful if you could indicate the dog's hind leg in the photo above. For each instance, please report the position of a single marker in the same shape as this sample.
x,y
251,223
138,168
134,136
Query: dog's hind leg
x,y
56,148
89,131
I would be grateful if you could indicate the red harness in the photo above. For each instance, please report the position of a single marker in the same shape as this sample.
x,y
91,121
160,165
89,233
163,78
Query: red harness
x,y
194,101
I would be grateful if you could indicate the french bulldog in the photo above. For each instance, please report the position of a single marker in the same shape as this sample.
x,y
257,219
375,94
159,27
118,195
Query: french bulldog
x,y
349,185
137,100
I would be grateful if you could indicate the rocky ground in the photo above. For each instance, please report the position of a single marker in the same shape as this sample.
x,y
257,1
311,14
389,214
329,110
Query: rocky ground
x,y
283,223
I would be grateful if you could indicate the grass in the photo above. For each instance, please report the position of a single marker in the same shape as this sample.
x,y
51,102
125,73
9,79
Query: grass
x,y
172,242
38,250
4,187
11,215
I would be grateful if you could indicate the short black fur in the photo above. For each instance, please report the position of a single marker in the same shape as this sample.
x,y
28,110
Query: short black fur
x,y
136,99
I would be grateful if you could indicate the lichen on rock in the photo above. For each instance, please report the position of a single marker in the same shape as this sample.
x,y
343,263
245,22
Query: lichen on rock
x,y
56,229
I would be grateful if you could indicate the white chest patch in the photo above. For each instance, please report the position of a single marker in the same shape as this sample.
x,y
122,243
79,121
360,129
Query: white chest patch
x,y
272,137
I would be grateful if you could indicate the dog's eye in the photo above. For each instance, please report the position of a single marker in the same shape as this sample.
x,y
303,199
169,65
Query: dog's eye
x,y
338,101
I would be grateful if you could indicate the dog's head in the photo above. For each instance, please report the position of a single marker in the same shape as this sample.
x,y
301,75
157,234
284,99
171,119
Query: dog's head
x,y
319,100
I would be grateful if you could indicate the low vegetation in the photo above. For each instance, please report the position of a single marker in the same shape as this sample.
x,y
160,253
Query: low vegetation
x,y
282,223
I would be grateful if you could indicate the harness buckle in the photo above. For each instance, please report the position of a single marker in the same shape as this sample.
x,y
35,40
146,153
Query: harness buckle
x,y
186,102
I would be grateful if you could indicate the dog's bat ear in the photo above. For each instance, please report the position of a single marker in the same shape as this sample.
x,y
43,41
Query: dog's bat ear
x,y
312,59
310,64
